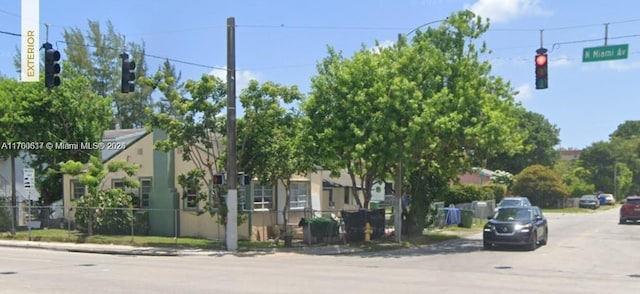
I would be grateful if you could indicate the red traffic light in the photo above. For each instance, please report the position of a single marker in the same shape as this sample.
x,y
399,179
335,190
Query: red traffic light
x,y
541,59
218,179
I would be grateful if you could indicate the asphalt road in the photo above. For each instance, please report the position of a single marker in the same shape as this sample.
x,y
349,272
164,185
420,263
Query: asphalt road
x,y
587,253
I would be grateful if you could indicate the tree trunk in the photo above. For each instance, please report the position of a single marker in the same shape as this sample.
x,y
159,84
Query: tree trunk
x,y
287,204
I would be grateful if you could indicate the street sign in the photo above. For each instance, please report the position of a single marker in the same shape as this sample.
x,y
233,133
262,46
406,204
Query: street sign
x,y
29,176
604,53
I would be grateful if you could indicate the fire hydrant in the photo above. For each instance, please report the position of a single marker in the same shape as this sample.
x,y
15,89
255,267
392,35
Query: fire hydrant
x,y
367,232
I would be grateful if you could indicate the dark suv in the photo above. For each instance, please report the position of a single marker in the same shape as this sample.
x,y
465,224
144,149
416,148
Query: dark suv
x,y
525,226
630,210
513,201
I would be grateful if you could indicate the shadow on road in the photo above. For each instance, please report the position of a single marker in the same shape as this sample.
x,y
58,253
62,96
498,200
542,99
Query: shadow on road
x,y
457,246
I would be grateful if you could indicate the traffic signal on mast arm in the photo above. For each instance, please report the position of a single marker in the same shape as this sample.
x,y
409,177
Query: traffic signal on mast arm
x,y
542,77
51,66
218,179
128,74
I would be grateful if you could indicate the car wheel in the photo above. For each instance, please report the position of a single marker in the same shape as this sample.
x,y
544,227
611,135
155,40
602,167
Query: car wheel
x,y
546,237
533,243
622,221
486,245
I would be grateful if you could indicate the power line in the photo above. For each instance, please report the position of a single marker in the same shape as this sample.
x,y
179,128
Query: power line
x,y
557,44
149,55
341,28
9,13
11,34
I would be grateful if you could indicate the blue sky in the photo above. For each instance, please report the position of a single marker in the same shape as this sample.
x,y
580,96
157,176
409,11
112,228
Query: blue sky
x,y
282,41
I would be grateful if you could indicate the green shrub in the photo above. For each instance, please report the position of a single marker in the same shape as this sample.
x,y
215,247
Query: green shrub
x,y
495,191
5,219
466,193
141,224
107,213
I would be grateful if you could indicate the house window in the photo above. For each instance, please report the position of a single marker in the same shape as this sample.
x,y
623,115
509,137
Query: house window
x,y
191,199
117,184
242,198
346,195
262,197
145,192
299,192
77,189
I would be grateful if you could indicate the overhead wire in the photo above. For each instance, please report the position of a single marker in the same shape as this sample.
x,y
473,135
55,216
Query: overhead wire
x,y
555,45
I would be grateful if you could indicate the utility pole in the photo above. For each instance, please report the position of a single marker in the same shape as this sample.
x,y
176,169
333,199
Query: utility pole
x,y
231,232
397,203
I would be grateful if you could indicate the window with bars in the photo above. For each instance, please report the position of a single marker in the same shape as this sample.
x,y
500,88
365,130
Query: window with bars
x,y
299,195
190,199
262,197
77,189
117,184
145,192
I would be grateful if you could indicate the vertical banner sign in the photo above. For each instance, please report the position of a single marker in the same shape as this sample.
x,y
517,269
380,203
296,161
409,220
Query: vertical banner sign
x,y
30,48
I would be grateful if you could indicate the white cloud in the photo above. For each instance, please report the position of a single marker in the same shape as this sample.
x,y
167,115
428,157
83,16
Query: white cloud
x,y
242,77
525,93
560,61
506,10
382,45
621,65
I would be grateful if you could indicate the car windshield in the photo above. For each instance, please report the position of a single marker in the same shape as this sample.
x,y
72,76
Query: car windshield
x,y
510,202
514,214
588,197
633,201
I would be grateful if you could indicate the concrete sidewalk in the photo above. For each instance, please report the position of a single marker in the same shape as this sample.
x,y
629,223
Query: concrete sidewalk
x,y
159,251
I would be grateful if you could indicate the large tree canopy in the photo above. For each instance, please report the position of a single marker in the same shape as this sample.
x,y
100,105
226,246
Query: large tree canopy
x,y
428,104
272,143
96,54
539,146
70,113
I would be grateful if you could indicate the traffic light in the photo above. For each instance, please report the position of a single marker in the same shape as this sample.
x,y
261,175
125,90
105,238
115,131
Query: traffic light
x,y
244,179
218,179
542,78
128,74
51,66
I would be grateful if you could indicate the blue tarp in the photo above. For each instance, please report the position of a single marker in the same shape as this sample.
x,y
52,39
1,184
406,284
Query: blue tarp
x,y
452,216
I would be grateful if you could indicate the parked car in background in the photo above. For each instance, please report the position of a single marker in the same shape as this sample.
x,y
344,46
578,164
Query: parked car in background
x,y
513,201
589,201
512,225
630,210
607,199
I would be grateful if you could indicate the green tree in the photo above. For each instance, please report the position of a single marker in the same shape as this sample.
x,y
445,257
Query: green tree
x,y
194,125
70,113
96,54
427,104
627,152
541,185
502,177
172,85
273,144
627,130
103,211
576,180
14,121
539,145
599,159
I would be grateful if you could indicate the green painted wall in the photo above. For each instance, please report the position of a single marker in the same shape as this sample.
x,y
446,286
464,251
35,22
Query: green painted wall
x,y
164,200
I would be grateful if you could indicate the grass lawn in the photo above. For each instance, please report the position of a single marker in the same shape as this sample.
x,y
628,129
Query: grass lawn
x,y
58,235
476,226
578,210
